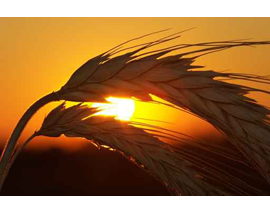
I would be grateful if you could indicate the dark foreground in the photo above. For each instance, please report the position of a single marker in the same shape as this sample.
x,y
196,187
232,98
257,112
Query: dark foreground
x,y
89,171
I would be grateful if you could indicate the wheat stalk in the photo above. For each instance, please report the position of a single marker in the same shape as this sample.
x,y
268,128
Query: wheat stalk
x,y
134,72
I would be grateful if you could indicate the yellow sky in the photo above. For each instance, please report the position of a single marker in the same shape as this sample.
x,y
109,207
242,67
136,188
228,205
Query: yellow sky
x,y
38,55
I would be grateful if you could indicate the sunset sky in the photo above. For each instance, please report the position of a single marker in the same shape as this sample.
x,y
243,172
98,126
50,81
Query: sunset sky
x,y
38,55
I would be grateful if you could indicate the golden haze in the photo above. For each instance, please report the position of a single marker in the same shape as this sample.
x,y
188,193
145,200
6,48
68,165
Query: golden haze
x,y
38,55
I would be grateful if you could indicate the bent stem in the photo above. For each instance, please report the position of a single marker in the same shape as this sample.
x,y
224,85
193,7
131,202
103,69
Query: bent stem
x,y
13,158
10,145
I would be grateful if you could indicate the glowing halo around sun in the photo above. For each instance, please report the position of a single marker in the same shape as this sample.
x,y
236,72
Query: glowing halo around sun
x,y
121,108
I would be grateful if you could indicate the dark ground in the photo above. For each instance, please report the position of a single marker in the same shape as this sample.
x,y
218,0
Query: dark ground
x,y
88,171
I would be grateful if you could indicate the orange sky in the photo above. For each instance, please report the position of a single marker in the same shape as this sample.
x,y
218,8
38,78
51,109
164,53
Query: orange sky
x,y
38,55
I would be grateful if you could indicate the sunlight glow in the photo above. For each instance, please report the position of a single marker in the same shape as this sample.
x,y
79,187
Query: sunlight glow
x,y
122,108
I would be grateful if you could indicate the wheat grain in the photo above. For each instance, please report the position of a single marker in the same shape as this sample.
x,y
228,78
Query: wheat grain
x,y
183,170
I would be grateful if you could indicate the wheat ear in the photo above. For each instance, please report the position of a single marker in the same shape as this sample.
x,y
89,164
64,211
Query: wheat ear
x,y
182,170
174,78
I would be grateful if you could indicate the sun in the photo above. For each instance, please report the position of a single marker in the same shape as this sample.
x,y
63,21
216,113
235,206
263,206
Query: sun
x,y
121,108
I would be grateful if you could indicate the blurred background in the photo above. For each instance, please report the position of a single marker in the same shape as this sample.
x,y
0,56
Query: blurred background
x,y
38,55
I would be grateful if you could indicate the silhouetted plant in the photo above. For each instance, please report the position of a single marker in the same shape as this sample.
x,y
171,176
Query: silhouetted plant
x,y
136,72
